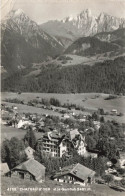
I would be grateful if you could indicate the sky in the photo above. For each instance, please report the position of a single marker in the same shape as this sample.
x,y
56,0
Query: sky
x,y
43,10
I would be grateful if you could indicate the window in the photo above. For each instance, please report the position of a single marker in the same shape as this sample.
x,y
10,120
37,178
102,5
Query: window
x,y
89,180
21,175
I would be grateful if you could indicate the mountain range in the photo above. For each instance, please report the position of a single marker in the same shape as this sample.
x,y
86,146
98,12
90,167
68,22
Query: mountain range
x,y
24,42
57,56
84,24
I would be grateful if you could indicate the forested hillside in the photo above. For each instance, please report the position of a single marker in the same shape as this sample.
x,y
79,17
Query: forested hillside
x,y
106,77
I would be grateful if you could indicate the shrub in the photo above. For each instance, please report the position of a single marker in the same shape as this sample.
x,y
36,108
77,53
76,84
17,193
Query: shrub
x,y
107,178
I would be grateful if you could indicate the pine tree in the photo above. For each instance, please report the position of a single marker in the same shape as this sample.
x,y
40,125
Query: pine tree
x,y
30,138
5,152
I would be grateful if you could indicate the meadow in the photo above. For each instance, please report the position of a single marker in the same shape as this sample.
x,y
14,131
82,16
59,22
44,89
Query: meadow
x,y
48,189
8,132
88,100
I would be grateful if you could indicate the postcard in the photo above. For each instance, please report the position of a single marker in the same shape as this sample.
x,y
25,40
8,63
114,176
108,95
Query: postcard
x,y
62,97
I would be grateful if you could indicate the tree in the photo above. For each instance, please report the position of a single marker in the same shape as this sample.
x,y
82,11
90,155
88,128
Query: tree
x,y
101,111
91,143
11,152
16,148
102,120
5,152
108,178
95,116
30,138
121,171
123,182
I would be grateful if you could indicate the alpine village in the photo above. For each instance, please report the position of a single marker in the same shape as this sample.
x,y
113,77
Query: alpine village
x,y
63,105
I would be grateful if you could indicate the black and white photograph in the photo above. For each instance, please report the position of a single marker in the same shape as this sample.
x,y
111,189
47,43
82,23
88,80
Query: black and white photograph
x,y
62,97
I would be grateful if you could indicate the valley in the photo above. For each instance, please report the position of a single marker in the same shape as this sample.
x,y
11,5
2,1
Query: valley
x,y
63,104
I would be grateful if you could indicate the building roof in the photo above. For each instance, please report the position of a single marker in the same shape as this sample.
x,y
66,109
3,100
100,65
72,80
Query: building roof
x,y
29,152
53,135
29,148
78,170
4,168
32,166
73,133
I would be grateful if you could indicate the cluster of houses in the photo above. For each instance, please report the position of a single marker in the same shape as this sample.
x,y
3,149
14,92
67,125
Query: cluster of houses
x,y
37,122
32,170
56,144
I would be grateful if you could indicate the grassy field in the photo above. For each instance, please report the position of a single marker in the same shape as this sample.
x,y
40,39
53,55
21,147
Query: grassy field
x,y
30,109
74,60
9,132
48,189
88,100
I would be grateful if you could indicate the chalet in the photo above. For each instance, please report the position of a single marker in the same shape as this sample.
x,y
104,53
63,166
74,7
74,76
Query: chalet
x,y
4,169
97,124
57,144
75,174
14,107
114,112
66,116
23,123
29,170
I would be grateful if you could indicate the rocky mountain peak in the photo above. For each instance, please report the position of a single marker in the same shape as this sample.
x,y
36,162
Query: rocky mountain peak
x,y
18,12
86,13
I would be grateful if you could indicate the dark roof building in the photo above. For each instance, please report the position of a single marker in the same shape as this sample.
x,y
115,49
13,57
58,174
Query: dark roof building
x,y
30,169
75,173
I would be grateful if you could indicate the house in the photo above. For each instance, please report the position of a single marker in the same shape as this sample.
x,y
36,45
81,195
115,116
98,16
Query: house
x,y
14,107
66,116
29,152
29,170
75,139
75,174
51,143
111,171
57,144
91,154
4,168
122,160
97,124
23,123
114,112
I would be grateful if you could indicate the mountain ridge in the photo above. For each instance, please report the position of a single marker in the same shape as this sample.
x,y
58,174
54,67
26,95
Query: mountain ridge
x,y
35,42
84,24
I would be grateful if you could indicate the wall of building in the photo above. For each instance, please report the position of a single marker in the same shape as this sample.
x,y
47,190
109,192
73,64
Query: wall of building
x,y
74,180
82,149
19,174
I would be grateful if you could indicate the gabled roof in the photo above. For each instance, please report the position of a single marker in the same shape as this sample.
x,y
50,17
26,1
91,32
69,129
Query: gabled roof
x,y
29,148
32,166
4,168
73,133
78,170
